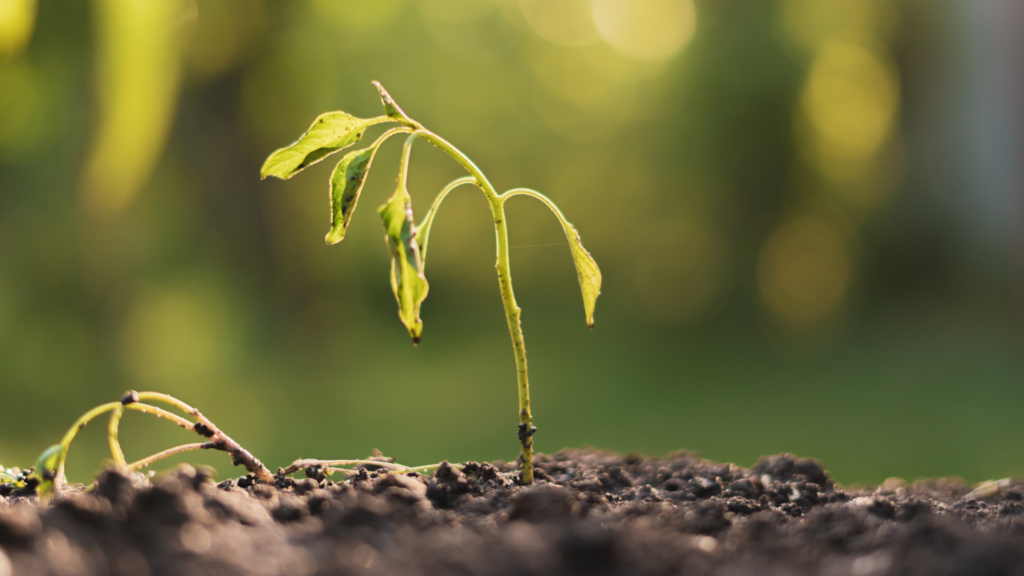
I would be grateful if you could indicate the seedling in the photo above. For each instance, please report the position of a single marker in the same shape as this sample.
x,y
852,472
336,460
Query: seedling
x,y
335,131
48,479
49,470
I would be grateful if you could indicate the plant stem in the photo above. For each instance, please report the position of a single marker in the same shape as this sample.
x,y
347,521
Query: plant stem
x,y
65,443
307,462
165,453
512,311
115,445
218,439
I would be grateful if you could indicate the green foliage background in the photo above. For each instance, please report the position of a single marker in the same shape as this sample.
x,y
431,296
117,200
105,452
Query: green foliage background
x,y
139,249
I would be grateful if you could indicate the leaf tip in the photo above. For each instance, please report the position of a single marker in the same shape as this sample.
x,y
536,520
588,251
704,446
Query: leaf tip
x,y
334,236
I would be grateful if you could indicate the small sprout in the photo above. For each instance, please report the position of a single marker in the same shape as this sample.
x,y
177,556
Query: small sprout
x,y
407,242
46,471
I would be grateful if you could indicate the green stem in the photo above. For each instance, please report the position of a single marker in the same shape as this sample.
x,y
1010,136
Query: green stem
x,y
165,453
423,230
115,446
65,443
512,311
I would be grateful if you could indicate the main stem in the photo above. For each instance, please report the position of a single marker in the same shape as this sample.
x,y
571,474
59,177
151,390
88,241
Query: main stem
x,y
512,311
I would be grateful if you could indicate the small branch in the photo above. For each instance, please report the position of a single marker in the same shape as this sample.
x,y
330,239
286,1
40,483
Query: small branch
x,y
161,413
218,439
302,464
169,452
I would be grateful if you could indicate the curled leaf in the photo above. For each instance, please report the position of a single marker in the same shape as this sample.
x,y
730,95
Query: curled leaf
x,y
586,268
329,133
347,183
407,280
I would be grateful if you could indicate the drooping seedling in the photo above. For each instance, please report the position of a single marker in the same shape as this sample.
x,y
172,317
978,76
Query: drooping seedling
x,y
335,131
47,477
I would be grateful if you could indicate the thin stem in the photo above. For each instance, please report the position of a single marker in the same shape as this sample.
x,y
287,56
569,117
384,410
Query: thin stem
x,y
512,310
160,413
65,443
218,439
428,221
424,468
307,462
115,446
165,453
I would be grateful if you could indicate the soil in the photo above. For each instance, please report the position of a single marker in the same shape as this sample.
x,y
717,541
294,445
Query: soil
x,y
589,512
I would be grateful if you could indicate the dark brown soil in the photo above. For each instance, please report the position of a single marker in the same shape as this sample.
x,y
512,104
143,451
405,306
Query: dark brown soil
x,y
589,513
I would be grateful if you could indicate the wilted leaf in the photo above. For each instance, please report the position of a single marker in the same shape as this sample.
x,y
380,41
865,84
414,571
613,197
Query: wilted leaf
x,y
347,183
329,133
407,280
586,269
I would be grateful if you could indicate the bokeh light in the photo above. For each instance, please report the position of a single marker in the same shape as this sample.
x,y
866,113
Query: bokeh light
x,y
850,100
646,29
564,22
804,271
17,19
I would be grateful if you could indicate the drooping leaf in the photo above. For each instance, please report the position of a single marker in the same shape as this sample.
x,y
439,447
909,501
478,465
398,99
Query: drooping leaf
x,y
407,280
329,133
586,268
347,183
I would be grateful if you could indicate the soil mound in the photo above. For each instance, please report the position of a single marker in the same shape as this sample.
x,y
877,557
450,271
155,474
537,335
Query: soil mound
x,y
590,512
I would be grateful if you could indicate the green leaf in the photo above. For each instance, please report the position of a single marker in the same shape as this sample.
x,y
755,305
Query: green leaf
x,y
347,184
586,268
391,108
329,133
46,470
407,280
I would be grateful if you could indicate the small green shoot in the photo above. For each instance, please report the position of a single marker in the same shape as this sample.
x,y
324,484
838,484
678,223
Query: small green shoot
x,y
407,241
49,471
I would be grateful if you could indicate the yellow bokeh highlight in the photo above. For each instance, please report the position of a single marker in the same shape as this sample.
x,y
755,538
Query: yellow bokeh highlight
x,y
17,19
141,46
645,29
680,270
804,272
575,99
849,101
563,22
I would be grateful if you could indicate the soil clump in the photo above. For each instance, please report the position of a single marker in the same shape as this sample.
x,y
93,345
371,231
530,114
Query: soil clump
x,y
590,512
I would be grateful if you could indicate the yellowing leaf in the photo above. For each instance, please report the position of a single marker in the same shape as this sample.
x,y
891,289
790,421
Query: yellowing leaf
x,y
330,133
407,280
347,183
586,268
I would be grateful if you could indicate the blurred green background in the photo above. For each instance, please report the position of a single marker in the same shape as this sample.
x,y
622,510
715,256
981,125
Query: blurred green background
x,y
807,215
